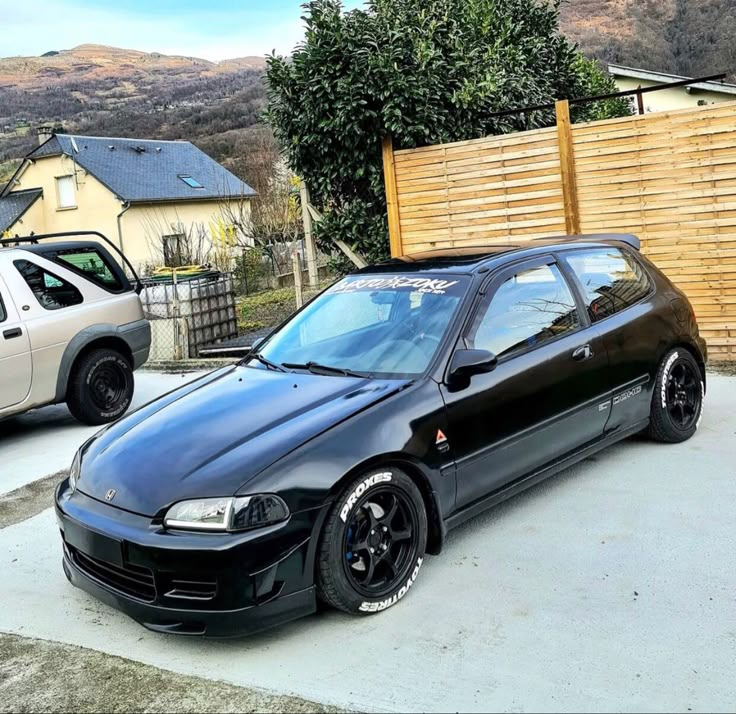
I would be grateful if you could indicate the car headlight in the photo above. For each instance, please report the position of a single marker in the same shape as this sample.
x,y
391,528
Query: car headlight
x,y
227,514
74,471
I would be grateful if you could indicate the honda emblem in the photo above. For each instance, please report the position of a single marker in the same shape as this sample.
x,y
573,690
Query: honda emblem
x,y
110,494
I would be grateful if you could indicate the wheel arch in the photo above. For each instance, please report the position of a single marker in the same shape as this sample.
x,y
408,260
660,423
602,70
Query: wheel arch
x,y
697,355
97,337
417,473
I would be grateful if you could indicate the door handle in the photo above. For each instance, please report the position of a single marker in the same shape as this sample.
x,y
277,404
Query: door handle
x,y
10,334
582,353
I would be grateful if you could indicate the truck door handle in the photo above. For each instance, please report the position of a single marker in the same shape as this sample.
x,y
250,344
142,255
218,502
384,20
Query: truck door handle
x,y
10,334
582,353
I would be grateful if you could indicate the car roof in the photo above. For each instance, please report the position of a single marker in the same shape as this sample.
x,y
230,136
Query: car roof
x,y
475,259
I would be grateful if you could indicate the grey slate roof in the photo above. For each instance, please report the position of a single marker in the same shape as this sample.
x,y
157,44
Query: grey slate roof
x,y
144,170
14,205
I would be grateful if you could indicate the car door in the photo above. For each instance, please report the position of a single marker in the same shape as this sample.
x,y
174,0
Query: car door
x,y
16,367
544,398
615,288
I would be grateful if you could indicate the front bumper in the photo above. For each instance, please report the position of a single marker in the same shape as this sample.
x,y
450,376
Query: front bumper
x,y
216,585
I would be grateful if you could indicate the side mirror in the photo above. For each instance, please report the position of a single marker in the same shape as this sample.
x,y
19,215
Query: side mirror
x,y
257,342
466,363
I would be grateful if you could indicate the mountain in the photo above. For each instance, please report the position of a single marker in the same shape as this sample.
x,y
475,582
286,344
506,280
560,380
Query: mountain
x,y
95,89
110,91
687,37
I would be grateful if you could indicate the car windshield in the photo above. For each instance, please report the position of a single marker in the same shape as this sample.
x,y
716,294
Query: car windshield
x,y
375,325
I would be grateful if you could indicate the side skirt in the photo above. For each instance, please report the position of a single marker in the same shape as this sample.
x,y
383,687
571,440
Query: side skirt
x,y
534,478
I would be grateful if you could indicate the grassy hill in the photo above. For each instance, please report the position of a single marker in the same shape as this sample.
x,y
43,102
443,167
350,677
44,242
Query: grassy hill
x,y
102,90
110,91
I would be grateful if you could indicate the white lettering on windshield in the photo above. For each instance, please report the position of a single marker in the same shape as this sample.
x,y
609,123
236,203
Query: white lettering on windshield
x,y
434,286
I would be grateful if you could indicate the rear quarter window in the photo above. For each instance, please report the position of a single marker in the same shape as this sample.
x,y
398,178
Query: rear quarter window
x,y
90,263
612,280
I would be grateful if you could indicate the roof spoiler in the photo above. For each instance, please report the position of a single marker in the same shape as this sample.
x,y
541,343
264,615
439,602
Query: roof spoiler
x,y
76,234
627,238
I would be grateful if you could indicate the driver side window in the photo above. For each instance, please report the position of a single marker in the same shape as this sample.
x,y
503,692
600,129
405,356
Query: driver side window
x,y
529,308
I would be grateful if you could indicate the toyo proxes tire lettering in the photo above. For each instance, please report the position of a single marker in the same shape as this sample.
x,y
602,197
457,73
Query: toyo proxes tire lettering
x,y
385,604
360,490
678,397
373,543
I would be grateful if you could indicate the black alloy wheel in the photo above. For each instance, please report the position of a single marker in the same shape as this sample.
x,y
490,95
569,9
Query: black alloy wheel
x,y
677,399
373,543
378,542
683,394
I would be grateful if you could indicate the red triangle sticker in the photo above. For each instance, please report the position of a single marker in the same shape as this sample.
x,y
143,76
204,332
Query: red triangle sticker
x,y
441,438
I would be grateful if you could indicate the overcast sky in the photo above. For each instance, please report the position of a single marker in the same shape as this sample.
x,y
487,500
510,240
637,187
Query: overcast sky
x,y
211,29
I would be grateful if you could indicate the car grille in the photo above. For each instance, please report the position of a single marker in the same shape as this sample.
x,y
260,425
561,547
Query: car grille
x,y
130,580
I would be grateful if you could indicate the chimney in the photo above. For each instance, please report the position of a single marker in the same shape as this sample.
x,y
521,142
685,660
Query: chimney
x,y
44,132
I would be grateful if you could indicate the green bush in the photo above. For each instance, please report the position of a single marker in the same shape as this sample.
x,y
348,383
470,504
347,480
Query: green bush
x,y
424,72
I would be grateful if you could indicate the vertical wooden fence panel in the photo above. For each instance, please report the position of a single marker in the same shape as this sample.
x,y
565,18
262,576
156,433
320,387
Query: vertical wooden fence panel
x,y
669,177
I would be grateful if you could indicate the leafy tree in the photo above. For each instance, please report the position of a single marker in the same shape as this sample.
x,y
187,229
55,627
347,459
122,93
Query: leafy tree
x,y
423,71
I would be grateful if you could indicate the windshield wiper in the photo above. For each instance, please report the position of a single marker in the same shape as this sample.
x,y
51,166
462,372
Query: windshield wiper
x,y
266,362
324,369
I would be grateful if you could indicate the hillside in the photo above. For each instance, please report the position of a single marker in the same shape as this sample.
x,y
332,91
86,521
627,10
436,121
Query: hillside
x,y
109,91
677,36
96,89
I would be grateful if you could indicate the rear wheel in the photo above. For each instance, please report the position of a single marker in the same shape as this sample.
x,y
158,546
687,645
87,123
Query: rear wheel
x,y
373,544
677,402
100,387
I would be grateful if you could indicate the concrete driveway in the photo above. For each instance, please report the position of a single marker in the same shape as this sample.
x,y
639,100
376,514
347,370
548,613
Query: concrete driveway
x,y
611,587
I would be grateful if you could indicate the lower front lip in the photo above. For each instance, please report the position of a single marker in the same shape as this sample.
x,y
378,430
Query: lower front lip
x,y
217,585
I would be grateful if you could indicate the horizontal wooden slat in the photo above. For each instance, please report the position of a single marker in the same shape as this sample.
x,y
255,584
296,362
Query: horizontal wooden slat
x,y
669,177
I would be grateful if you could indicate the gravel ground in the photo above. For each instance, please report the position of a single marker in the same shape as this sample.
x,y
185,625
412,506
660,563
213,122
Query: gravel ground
x,y
41,676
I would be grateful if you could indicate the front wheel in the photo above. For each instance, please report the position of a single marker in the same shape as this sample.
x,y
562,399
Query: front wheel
x,y
100,387
373,543
677,402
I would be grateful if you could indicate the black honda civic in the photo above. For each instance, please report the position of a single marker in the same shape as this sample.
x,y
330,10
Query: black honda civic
x,y
400,402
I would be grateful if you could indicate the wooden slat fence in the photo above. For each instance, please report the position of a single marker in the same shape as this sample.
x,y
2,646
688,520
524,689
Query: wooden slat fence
x,y
668,177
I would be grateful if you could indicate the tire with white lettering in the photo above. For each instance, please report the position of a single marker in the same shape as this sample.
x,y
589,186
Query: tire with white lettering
x,y
373,543
677,402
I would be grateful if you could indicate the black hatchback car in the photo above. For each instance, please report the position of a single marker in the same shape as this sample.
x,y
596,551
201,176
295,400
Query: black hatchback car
x,y
401,401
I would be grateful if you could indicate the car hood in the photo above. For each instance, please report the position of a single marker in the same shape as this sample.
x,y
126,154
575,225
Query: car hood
x,y
211,437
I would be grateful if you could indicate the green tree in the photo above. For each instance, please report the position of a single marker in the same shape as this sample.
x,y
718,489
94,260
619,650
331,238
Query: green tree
x,y
423,71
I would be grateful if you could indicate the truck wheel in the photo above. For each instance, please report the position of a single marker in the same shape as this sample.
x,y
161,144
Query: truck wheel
x,y
100,387
373,543
677,402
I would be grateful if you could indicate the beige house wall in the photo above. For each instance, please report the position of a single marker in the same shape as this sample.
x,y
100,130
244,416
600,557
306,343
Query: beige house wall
x,y
670,99
142,226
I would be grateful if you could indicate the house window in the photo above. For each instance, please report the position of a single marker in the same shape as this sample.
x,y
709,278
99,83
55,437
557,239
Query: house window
x,y
65,192
191,182
174,249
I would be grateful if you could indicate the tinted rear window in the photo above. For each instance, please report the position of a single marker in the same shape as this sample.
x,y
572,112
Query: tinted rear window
x,y
51,291
612,280
93,265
